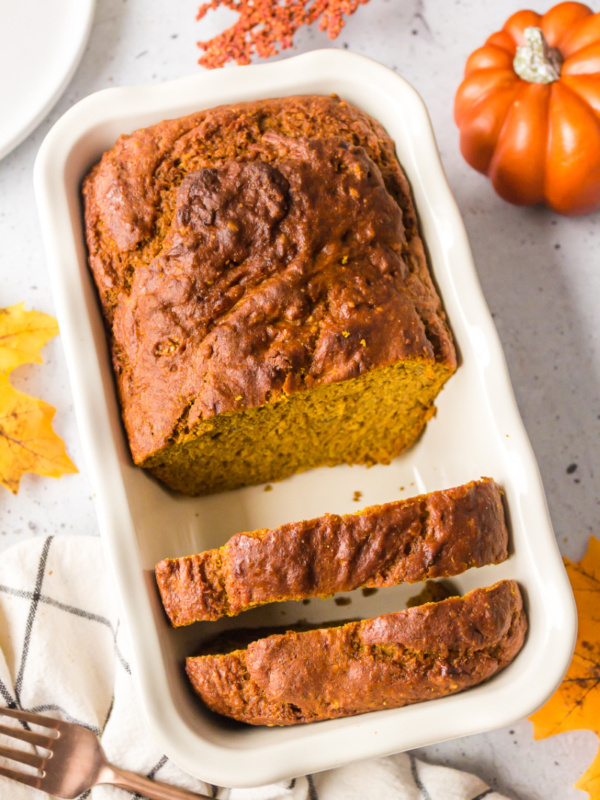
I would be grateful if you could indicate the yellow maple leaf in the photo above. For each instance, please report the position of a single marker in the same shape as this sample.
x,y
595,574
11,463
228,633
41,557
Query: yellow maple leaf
x,y
576,702
22,335
27,441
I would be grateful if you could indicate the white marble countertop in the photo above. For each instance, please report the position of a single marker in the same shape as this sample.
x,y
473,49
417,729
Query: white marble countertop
x,y
538,271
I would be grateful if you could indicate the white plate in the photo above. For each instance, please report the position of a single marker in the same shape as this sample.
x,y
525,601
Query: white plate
x,y
477,432
41,43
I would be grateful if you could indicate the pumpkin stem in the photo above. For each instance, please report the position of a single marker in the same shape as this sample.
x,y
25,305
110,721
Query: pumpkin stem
x,y
536,61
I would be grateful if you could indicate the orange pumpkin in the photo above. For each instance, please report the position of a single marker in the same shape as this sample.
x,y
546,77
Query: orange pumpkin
x,y
528,109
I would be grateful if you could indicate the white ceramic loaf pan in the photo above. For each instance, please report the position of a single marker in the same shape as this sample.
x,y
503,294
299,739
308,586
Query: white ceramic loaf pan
x,y
477,431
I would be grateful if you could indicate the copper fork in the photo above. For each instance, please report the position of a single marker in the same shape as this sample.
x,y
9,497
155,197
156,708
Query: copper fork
x,y
74,761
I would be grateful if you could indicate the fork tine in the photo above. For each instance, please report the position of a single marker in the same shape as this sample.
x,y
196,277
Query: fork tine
x,y
29,780
22,757
28,716
28,736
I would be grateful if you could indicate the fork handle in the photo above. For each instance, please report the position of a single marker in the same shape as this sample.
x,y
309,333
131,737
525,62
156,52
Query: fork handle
x,y
144,786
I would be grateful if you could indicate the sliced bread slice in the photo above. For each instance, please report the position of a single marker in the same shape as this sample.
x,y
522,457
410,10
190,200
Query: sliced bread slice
x,y
440,534
390,661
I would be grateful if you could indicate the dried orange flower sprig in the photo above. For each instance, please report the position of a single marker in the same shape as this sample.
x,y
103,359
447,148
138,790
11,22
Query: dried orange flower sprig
x,y
265,27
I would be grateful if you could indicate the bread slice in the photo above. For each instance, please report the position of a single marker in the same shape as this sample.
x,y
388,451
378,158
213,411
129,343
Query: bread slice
x,y
431,536
266,292
392,660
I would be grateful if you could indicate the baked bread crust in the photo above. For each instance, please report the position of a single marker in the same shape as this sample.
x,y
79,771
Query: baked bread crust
x,y
440,534
252,251
390,661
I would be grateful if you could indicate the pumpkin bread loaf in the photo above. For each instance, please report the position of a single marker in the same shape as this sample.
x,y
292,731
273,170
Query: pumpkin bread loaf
x,y
266,292
390,661
431,536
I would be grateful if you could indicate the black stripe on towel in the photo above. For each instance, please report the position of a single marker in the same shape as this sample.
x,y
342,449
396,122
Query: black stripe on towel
x,y
45,707
159,764
31,616
78,612
417,779
8,699
312,791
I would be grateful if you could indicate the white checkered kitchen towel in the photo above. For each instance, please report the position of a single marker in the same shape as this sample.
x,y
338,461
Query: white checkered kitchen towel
x,y
62,653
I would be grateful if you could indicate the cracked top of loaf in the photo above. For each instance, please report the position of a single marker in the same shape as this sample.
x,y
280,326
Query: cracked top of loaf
x,y
255,250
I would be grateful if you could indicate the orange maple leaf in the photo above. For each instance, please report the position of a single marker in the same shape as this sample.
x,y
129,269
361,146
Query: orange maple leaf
x,y
576,702
27,441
